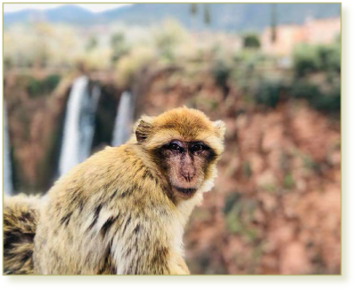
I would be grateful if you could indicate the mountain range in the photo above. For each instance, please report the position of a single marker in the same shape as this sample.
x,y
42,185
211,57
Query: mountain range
x,y
224,17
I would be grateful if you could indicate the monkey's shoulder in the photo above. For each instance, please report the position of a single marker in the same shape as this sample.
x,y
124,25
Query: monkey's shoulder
x,y
114,163
116,177
111,165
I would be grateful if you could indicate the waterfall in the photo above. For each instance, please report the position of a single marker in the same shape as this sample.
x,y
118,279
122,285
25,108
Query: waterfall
x,y
87,123
78,125
8,186
123,120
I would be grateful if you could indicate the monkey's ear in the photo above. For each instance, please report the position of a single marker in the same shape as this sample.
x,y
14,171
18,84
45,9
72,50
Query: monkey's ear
x,y
143,128
220,128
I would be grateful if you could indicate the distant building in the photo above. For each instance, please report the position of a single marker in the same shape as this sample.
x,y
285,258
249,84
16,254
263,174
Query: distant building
x,y
313,31
322,30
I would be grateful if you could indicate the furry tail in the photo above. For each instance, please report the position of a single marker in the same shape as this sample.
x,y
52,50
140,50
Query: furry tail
x,y
21,215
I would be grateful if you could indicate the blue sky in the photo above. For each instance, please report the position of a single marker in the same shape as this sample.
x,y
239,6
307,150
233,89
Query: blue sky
x,y
92,7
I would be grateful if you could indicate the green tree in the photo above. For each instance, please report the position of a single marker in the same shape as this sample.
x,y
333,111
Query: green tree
x,y
117,40
91,44
118,46
207,17
193,9
273,22
251,41
193,13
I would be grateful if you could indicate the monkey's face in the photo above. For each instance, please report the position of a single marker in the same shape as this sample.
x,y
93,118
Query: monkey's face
x,y
185,146
185,165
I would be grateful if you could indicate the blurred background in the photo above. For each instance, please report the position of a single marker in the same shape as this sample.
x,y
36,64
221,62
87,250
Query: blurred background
x,y
77,77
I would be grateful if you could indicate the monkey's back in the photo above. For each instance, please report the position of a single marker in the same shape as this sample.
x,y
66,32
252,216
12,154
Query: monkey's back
x,y
20,221
90,212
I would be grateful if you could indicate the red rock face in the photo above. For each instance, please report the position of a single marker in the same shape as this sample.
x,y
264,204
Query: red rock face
x,y
275,208
34,129
36,126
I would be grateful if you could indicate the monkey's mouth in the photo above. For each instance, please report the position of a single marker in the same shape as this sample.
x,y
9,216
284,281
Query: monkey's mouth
x,y
185,192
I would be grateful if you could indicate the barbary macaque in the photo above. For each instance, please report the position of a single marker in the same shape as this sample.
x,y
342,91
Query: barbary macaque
x,y
124,209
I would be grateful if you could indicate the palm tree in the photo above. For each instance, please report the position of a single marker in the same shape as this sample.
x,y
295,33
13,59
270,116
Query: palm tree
x,y
193,13
207,18
273,22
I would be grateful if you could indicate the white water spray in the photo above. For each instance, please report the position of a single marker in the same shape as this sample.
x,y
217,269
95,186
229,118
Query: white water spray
x,y
123,120
8,186
79,125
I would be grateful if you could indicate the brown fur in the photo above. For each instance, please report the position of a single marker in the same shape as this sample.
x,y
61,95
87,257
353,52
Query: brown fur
x,y
20,220
116,213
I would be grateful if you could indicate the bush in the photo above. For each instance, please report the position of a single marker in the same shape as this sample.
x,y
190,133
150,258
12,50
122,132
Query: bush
x,y
96,59
133,62
221,72
91,44
302,89
37,88
118,46
311,58
328,101
306,60
251,41
329,58
168,37
268,93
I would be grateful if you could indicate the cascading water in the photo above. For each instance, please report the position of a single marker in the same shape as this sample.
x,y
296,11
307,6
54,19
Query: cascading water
x,y
78,125
123,120
8,186
87,120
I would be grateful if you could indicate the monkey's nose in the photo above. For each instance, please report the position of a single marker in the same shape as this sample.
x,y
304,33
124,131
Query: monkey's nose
x,y
188,175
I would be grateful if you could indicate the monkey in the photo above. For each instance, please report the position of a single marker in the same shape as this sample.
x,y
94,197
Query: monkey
x,y
21,215
124,209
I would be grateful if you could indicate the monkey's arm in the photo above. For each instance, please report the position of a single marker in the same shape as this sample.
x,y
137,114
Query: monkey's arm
x,y
158,262
179,267
144,247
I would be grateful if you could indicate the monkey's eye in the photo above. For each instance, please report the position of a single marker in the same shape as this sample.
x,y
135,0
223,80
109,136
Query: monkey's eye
x,y
198,147
174,146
